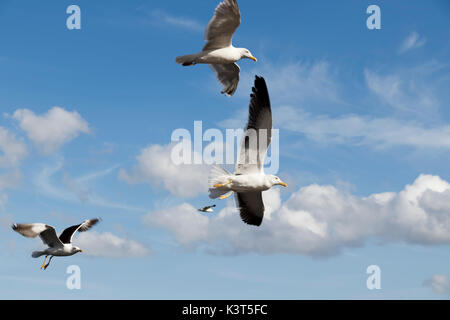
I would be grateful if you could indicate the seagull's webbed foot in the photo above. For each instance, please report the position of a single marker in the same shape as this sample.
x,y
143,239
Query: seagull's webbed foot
x,y
224,196
219,185
43,265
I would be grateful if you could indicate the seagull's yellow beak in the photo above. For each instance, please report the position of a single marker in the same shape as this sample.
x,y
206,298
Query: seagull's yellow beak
x,y
253,58
283,184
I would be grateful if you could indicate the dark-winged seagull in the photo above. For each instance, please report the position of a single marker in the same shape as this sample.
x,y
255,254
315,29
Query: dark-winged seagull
x,y
57,246
249,179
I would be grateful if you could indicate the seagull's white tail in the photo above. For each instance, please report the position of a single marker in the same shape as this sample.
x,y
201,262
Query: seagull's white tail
x,y
218,175
187,60
37,254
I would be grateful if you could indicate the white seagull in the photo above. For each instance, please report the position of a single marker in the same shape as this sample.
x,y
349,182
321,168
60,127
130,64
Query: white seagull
x,y
57,246
219,52
249,179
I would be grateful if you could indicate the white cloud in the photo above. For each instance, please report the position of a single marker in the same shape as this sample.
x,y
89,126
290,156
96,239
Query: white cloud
x,y
160,17
318,220
53,129
78,185
405,91
12,150
75,189
439,283
109,245
294,82
3,200
155,167
412,118
413,41
10,179
357,130
187,227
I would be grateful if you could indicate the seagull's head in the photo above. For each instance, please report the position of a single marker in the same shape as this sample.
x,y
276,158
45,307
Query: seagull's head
x,y
245,53
76,250
274,180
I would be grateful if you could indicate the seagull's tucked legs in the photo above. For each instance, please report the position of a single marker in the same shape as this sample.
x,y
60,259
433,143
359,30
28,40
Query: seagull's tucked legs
x,y
45,259
223,185
45,267
226,195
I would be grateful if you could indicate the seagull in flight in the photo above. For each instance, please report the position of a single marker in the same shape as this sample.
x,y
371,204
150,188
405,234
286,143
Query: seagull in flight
x,y
219,51
57,246
207,209
249,180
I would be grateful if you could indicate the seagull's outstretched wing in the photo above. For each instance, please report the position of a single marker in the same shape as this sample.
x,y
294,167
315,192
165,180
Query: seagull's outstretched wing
x,y
251,207
44,231
228,76
67,234
220,29
258,132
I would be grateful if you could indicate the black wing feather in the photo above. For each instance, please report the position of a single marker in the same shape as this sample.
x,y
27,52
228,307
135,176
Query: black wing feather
x,y
259,105
251,207
67,234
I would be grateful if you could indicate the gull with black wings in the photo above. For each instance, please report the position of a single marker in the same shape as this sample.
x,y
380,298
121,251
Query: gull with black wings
x,y
249,180
57,246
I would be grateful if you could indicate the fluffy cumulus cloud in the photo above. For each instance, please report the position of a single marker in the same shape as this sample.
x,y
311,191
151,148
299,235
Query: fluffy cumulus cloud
x,y
109,245
439,283
157,167
318,221
53,129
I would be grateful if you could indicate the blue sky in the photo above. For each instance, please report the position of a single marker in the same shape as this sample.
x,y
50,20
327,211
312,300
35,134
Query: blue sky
x,y
87,116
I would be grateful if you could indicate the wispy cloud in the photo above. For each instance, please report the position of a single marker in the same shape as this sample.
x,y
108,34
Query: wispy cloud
x,y
75,189
412,98
410,91
12,153
413,41
12,149
296,81
439,283
162,18
356,130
